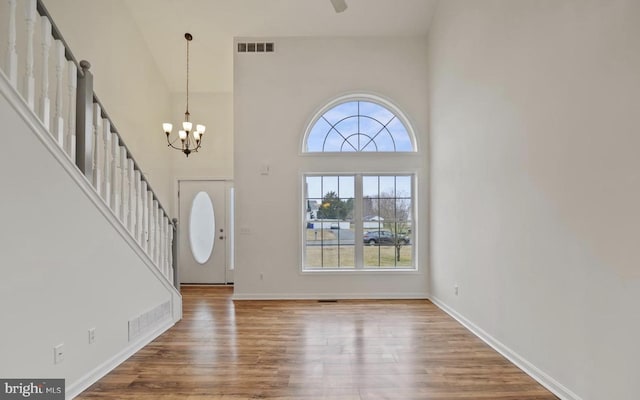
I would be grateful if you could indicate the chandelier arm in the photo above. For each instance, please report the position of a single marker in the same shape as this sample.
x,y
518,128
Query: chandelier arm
x,y
194,145
199,143
174,147
170,143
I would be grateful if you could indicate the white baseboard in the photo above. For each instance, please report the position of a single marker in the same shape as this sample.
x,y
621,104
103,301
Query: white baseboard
x,y
329,296
541,377
100,371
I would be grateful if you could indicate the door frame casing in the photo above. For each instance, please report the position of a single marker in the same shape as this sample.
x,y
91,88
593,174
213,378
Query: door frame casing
x,y
229,223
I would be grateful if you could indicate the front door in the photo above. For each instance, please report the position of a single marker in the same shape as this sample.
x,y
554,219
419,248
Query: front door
x,y
203,233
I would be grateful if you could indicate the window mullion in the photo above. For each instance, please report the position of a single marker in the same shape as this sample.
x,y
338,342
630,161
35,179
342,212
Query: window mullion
x,y
358,222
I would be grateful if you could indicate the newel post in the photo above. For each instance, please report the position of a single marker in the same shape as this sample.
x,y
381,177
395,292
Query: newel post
x,y
84,120
174,254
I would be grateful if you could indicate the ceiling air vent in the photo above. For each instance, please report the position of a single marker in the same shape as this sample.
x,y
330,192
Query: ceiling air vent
x,y
261,47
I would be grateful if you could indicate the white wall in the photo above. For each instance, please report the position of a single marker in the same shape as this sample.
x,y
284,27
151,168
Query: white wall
x,y
534,124
126,80
275,97
65,267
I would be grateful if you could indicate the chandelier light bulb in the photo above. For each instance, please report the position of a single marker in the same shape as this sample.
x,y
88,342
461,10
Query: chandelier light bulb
x,y
182,135
196,136
187,126
167,127
201,128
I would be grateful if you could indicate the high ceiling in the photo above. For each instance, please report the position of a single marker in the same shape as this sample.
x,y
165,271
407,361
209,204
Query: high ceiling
x,y
214,24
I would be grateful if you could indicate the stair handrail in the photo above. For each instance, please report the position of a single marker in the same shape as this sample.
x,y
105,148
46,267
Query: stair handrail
x,y
75,132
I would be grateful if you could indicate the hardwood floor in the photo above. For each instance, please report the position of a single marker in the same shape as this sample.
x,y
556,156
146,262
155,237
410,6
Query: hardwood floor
x,y
348,350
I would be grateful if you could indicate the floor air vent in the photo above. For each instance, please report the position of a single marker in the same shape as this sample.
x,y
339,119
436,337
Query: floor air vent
x,y
261,47
148,321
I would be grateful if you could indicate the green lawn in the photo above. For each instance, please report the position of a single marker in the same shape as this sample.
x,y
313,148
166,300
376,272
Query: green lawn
x,y
374,256
320,234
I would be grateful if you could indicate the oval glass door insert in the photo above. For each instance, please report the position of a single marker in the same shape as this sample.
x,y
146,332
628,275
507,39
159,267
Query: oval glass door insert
x,y
202,224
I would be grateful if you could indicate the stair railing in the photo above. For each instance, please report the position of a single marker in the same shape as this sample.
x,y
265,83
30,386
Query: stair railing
x,y
77,121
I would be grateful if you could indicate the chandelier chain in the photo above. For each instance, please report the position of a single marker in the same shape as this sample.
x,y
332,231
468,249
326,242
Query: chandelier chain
x,y
187,77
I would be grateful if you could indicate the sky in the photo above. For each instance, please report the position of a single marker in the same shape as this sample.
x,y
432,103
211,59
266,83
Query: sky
x,y
358,126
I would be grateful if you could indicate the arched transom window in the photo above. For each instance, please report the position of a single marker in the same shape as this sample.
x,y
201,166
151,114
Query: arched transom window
x,y
359,126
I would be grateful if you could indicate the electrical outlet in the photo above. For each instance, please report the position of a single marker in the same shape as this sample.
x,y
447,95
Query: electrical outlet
x,y
58,353
456,290
92,335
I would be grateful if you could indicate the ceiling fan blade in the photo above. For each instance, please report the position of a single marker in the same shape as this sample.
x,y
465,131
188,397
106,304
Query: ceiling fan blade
x,y
339,5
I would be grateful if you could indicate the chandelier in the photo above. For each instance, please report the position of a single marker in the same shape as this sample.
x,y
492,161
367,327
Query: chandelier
x,y
190,140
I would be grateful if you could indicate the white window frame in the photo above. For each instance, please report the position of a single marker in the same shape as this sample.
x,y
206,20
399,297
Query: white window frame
x,y
359,164
358,220
359,97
